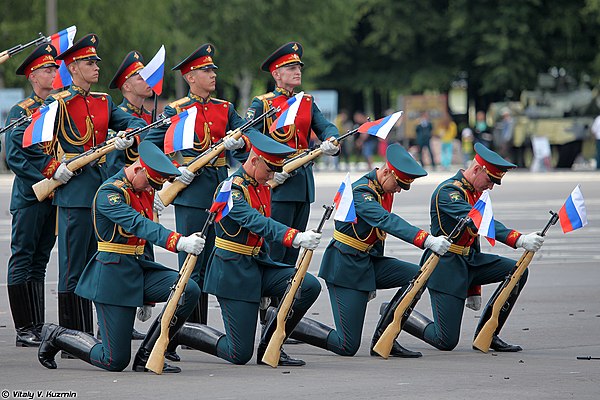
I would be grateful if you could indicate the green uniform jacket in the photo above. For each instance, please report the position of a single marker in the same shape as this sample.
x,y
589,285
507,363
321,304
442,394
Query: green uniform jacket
x,y
301,185
452,200
346,266
233,275
121,217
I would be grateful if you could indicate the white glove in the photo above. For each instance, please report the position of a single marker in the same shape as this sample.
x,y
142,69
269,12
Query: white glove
x,y
186,176
193,244
329,148
121,143
474,302
530,242
144,313
63,174
309,240
158,204
233,144
437,244
280,177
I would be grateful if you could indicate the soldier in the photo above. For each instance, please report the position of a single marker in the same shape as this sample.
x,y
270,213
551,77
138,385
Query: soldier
x,y
465,265
82,121
33,222
295,193
214,119
354,265
241,270
118,278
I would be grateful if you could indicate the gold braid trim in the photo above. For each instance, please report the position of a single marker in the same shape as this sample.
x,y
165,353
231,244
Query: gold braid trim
x,y
238,180
72,137
118,184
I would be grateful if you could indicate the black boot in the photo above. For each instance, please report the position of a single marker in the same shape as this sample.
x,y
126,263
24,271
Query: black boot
x,y
38,302
200,337
23,315
498,344
171,352
387,316
416,324
141,357
136,335
55,338
312,332
270,326
87,314
70,314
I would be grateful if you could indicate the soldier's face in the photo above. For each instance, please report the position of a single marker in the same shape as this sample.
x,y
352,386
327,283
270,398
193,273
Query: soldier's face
x,y
262,172
482,180
43,77
389,184
138,86
289,76
88,70
204,81
140,181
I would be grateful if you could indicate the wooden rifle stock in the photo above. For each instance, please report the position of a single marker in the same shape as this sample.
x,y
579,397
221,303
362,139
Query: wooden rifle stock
x,y
273,351
156,360
411,296
484,337
6,54
45,187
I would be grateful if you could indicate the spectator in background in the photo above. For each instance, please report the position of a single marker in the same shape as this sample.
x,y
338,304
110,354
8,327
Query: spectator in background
x,y
504,134
365,142
596,132
343,123
467,145
482,133
447,132
424,130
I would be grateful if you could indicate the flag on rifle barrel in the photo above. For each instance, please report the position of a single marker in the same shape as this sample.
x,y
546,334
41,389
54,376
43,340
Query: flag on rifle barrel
x,y
380,127
573,214
41,128
483,217
344,202
62,41
180,134
154,71
288,116
223,202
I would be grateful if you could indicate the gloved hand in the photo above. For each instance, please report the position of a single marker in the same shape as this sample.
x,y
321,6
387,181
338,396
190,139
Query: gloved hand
x,y
63,174
233,144
193,244
158,204
121,143
329,148
186,176
474,302
309,240
437,244
144,313
530,242
280,177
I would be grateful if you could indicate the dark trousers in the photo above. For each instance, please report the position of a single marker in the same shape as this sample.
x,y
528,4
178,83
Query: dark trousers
x,y
76,245
295,215
31,242
116,322
189,220
239,317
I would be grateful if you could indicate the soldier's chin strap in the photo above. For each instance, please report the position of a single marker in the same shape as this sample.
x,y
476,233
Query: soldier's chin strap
x,y
89,84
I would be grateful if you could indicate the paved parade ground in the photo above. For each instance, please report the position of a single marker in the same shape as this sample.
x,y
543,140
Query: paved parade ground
x,y
556,320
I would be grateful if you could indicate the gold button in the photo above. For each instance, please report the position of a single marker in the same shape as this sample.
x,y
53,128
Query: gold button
x,y
210,123
206,108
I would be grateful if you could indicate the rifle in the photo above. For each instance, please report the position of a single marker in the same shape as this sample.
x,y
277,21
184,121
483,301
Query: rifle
x,y
306,156
17,122
156,361
43,188
273,350
6,54
484,337
168,194
411,296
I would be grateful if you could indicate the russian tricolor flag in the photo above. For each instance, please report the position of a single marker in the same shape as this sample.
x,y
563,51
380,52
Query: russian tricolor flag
x,y
180,134
62,41
381,127
41,128
344,202
223,201
573,214
154,71
288,116
483,217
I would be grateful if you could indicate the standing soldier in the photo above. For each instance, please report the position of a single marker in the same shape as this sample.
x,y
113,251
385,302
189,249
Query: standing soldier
x,y
465,266
241,270
119,278
354,265
33,222
295,193
82,121
214,119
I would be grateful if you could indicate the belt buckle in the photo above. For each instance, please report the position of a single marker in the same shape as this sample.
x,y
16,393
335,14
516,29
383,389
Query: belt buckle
x,y
139,250
465,251
255,251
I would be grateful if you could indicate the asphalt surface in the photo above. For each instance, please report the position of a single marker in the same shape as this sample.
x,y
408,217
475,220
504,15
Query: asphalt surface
x,y
556,320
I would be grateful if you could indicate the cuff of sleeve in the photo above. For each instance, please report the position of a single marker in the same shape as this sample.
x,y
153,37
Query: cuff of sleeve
x,y
474,290
289,236
172,240
511,239
150,303
247,145
51,168
420,238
